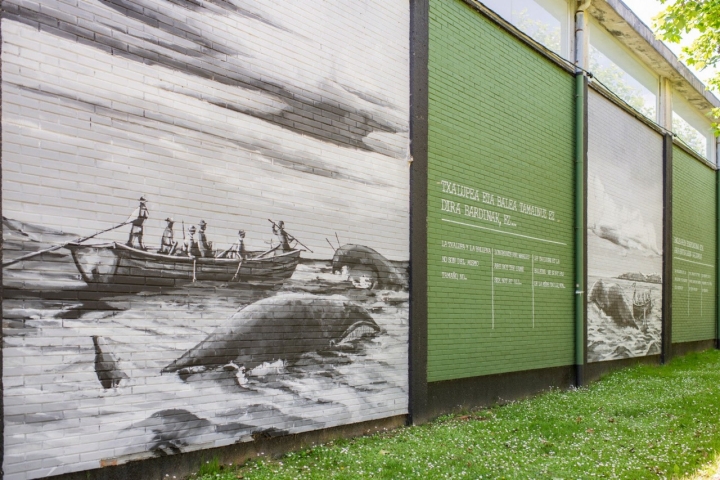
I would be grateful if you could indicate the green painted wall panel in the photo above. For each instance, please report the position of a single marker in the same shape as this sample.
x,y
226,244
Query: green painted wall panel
x,y
694,247
500,201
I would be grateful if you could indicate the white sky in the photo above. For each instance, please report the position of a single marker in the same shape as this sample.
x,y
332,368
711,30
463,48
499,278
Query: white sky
x,y
646,10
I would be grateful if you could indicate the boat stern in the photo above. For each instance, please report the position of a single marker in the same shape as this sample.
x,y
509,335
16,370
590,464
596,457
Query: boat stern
x,y
97,264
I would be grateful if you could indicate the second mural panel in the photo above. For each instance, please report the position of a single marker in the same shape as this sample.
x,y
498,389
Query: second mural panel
x,y
624,235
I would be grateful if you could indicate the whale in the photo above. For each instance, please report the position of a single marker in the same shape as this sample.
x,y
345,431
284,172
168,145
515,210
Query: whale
x,y
173,430
282,327
611,299
364,261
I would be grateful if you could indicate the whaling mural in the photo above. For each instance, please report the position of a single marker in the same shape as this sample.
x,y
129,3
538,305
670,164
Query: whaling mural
x,y
624,242
205,223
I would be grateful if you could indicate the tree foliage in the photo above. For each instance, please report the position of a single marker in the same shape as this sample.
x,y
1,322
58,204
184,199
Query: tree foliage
x,y
699,19
538,30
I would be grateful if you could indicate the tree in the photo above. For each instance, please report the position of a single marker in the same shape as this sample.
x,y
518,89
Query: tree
x,y
683,18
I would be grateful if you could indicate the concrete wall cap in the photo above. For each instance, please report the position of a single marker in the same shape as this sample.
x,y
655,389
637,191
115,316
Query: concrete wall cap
x,y
623,24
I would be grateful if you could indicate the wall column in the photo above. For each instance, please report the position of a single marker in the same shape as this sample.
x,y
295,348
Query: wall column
x,y
717,242
666,341
581,120
419,39
664,116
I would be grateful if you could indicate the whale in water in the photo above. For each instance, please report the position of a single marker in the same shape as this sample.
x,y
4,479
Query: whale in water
x,y
611,299
283,327
362,261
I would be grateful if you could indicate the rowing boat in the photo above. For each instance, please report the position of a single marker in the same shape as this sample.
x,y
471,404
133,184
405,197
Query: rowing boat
x,y
642,304
116,263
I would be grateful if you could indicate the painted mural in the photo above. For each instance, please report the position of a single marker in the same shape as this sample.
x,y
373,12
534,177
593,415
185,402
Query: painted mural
x,y
205,224
624,237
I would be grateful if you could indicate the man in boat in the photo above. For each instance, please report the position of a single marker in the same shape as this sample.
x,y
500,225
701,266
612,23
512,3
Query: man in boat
x,y
190,246
283,237
168,243
138,217
240,251
237,249
205,246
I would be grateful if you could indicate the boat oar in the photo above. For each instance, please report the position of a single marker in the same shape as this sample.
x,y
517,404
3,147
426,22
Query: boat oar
x,y
58,247
331,245
269,251
225,252
293,238
194,262
237,271
301,244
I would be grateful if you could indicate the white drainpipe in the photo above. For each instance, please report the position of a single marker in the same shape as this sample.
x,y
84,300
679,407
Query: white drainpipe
x,y
581,40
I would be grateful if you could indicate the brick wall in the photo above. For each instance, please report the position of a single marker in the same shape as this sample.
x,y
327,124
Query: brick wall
x,y
624,237
694,249
500,201
231,113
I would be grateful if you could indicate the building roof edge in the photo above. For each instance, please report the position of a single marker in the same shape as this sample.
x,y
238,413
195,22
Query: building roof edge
x,y
623,24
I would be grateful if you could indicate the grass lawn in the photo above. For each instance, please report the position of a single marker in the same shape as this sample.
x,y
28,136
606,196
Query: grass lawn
x,y
643,422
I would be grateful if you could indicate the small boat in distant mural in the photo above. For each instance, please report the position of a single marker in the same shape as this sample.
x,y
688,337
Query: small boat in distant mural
x,y
116,263
642,305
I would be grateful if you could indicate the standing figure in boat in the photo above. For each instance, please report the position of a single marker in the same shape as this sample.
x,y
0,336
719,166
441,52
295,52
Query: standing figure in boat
x,y
205,246
282,236
237,249
240,245
137,219
168,243
190,245
642,306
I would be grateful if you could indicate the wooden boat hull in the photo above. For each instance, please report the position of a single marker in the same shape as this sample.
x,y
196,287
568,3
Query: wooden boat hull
x,y
642,311
117,264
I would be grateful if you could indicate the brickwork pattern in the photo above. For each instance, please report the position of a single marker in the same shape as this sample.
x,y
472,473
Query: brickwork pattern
x,y
228,112
500,203
694,249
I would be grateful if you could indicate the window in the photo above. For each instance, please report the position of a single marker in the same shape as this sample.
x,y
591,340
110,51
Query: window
x,y
621,73
546,21
691,126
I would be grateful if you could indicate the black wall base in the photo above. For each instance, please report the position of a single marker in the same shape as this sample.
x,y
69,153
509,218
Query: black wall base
x,y
594,371
466,393
679,349
183,464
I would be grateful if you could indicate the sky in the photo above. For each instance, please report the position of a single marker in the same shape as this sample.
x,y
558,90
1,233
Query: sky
x,y
646,10
217,148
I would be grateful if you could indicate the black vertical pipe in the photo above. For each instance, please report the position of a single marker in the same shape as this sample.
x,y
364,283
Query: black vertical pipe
x,y
717,258
2,292
581,119
419,40
667,275
586,139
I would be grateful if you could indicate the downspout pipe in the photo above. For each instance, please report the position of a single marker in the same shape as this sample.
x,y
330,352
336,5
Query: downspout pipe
x,y
580,39
667,291
580,190
717,257
717,244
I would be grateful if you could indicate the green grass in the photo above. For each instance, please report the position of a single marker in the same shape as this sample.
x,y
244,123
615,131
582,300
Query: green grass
x,y
210,468
644,422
